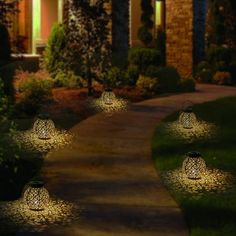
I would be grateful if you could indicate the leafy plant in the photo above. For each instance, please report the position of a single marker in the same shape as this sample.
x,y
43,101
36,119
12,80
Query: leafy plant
x,y
33,88
222,78
144,33
114,77
131,75
87,35
5,48
187,85
168,79
147,85
68,79
143,58
53,55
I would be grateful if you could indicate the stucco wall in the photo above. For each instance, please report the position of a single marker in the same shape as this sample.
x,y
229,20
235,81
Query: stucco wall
x,y
179,35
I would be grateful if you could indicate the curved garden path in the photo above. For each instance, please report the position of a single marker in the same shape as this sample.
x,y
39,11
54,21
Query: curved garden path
x,y
108,171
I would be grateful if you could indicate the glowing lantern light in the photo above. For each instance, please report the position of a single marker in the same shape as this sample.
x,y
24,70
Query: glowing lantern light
x,y
36,196
194,166
43,127
187,118
108,97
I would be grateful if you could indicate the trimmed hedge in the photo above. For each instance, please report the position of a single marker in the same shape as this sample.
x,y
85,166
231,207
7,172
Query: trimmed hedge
x,y
144,57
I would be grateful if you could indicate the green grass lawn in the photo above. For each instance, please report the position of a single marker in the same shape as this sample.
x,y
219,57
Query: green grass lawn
x,y
210,213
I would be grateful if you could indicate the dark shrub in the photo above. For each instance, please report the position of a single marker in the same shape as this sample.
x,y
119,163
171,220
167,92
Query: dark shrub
x,y
114,77
144,35
187,85
53,55
68,79
144,57
232,70
217,54
34,89
221,66
8,71
152,71
168,79
148,86
203,65
161,44
204,72
205,76
222,78
132,75
5,47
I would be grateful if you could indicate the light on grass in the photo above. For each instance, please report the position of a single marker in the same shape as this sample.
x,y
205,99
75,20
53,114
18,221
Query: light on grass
x,y
108,97
44,127
36,196
194,166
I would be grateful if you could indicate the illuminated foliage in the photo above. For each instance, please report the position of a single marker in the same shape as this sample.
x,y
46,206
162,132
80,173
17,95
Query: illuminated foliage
x,y
87,32
7,9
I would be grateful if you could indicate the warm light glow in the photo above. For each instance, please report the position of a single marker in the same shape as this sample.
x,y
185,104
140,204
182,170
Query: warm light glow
x,y
36,196
16,214
158,13
44,127
31,141
213,181
108,97
109,107
187,119
60,11
36,23
202,130
194,166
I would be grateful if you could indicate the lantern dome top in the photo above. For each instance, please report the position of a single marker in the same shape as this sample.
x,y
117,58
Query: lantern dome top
x,y
108,89
188,109
194,154
43,116
36,184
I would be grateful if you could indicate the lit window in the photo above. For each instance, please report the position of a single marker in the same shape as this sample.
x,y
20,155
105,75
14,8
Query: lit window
x,y
159,14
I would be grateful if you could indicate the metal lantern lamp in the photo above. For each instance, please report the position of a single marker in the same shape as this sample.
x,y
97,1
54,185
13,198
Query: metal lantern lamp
x,y
194,166
187,118
36,196
108,97
44,126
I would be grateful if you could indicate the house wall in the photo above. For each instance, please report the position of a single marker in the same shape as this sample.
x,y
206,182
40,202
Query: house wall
x,y
135,22
179,35
49,16
24,24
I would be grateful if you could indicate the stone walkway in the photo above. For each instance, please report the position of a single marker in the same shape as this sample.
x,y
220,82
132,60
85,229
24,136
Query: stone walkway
x,y
109,172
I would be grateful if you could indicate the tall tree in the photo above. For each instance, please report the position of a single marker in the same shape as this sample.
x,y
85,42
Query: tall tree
x,y
7,10
144,33
221,26
87,32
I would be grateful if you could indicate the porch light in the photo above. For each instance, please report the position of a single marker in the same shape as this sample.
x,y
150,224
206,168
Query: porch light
x,y
36,196
194,166
187,118
43,127
108,97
